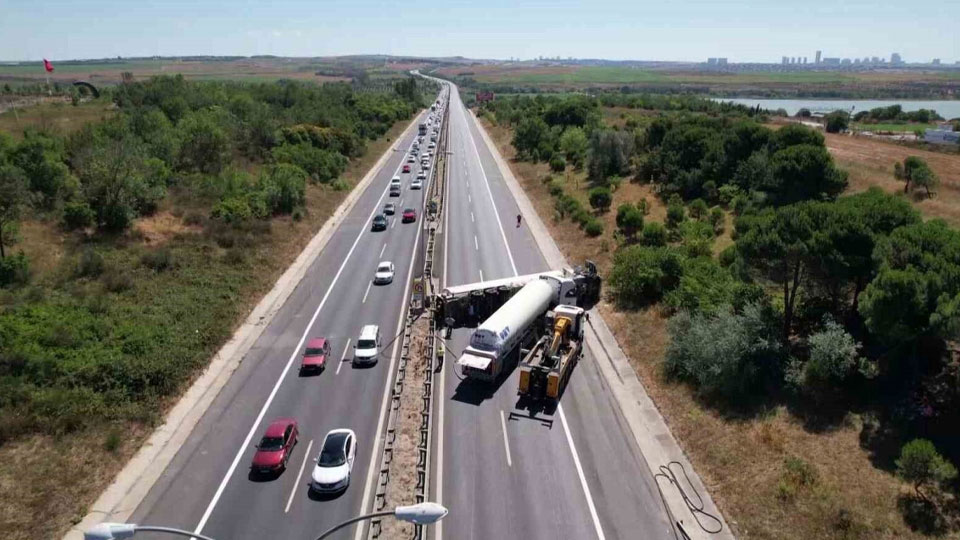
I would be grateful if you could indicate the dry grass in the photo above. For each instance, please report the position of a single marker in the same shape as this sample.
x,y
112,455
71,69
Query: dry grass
x,y
47,484
741,460
54,115
870,163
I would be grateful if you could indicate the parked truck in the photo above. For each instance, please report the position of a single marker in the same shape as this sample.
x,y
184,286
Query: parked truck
x,y
499,341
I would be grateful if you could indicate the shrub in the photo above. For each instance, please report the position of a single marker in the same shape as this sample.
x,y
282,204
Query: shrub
x,y
698,209
675,214
555,187
629,219
641,274
157,260
600,198
340,185
234,256
116,280
557,163
14,269
697,238
90,264
704,286
232,210
726,355
581,216
77,215
193,219
834,358
921,465
593,227
716,220
654,235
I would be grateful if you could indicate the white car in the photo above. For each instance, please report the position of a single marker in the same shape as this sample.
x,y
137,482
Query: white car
x,y
421,175
367,348
335,462
384,273
416,183
426,165
412,158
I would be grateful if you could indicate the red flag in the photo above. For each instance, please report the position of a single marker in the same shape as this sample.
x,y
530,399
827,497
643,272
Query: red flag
x,y
47,66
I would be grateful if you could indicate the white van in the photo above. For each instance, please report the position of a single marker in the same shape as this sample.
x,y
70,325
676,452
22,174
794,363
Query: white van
x,y
368,345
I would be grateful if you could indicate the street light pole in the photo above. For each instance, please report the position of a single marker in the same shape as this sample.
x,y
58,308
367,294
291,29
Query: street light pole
x,y
115,531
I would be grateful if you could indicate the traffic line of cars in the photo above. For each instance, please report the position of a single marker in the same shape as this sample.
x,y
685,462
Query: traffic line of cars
x,y
334,464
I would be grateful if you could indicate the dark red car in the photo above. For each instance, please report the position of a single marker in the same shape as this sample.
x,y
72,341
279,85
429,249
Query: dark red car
x,y
276,446
409,214
406,168
315,355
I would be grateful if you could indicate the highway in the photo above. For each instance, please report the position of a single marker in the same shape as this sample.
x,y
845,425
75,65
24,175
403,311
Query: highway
x,y
572,473
207,488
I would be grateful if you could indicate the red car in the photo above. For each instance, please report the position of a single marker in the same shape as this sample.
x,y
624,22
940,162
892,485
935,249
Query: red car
x,y
276,446
406,168
315,356
409,214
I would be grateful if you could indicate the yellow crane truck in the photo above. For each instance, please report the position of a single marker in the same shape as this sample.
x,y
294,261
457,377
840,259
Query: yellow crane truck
x,y
546,368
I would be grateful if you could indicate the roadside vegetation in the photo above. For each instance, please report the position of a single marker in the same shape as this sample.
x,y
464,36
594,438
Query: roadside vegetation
x,y
132,247
768,312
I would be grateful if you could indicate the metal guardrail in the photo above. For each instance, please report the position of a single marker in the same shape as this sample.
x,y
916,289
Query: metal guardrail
x,y
436,192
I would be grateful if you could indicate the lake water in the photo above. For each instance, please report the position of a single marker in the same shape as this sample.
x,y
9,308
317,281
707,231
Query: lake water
x,y
946,109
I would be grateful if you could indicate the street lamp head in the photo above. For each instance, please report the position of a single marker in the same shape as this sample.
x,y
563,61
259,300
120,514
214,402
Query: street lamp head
x,y
424,513
110,531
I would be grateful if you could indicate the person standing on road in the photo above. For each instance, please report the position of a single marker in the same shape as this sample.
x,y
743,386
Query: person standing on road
x,y
518,220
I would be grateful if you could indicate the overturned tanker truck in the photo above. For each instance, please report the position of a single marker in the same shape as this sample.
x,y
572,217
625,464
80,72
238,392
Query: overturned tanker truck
x,y
510,314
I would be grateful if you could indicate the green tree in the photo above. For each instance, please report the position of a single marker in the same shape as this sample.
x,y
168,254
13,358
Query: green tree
x,y
14,196
921,465
118,182
529,136
610,153
41,158
557,163
205,141
916,292
675,214
805,172
640,274
575,145
915,170
654,235
600,198
837,121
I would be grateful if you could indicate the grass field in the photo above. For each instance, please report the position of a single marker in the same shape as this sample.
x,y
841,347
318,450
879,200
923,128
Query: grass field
x,y
895,127
745,461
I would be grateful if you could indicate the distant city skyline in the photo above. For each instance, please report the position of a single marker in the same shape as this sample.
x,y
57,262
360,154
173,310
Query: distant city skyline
x,y
749,31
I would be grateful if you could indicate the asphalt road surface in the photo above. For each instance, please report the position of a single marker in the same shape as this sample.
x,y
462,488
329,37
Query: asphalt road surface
x,y
208,487
503,472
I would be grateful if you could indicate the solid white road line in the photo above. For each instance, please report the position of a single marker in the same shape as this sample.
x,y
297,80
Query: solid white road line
x,y
369,283
296,484
506,443
384,248
486,182
476,245
343,356
386,389
286,369
583,480
566,427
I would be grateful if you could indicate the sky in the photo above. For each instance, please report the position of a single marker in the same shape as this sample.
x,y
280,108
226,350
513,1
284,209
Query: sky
x,y
690,30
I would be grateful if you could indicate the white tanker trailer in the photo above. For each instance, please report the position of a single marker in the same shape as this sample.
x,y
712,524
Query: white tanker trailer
x,y
496,343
